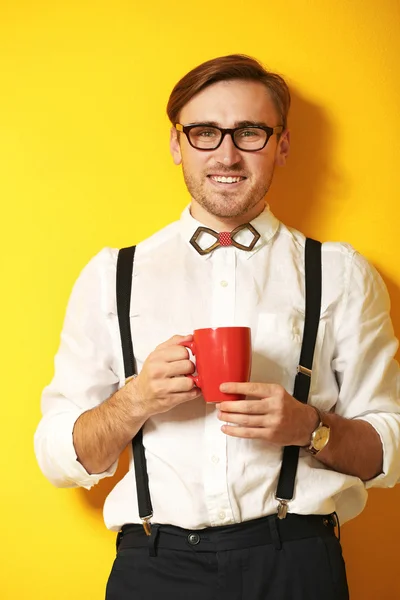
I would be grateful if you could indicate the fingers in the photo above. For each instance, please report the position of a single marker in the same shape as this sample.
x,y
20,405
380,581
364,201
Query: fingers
x,y
243,420
162,382
168,354
172,353
159,395
243,432
169,361
157,369
180,367
175,340
249,407
179,390
180,397
255,390
250,420
178,384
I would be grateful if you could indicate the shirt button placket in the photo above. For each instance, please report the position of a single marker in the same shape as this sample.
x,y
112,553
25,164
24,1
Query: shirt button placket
x,y
223,305
215,468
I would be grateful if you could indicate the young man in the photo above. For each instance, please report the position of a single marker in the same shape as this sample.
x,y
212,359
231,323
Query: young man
x,y
213,470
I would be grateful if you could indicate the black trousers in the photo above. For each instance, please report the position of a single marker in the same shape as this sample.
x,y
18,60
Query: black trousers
x,y
299,558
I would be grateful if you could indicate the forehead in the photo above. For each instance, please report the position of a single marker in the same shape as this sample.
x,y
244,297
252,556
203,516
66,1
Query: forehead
x,y
229,102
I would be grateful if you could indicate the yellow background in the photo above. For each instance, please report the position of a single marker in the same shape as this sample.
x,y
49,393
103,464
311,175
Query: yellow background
x,y
84,163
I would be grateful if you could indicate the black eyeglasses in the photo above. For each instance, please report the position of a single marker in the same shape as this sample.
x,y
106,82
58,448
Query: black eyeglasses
x,y
208,137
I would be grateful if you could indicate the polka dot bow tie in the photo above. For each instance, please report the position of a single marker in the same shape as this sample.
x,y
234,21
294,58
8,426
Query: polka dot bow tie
x,y
224,238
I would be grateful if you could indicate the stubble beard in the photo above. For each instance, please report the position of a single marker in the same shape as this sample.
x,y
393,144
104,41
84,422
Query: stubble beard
x,y
225,204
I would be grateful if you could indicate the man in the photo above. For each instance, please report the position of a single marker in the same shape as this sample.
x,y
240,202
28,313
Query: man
x,y
213,470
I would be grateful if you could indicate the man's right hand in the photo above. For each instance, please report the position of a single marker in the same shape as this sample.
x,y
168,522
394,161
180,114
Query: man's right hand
x,y
162,383
101,433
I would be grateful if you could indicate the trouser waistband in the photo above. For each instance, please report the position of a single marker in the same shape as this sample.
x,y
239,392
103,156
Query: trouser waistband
x,y
266,530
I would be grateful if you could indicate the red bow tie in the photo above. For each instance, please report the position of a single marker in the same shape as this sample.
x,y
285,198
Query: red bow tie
x,y
224,238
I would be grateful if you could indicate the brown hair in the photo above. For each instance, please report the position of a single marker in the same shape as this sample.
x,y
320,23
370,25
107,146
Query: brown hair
x,y
224,68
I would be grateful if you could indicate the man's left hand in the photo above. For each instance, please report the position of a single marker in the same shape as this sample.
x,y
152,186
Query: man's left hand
x,y
270,414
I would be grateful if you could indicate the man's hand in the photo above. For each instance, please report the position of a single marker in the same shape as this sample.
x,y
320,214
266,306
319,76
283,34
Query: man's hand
x,y
162,384
100,434
273,415
354,445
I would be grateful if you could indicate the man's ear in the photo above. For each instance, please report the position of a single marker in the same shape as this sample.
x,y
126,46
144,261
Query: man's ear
x,y
282,150
175,147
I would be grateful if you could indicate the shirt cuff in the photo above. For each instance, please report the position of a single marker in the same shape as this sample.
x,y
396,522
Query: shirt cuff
x,y
57,457
387,425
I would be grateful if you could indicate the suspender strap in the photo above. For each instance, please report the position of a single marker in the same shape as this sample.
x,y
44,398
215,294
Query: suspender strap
x,y
313,284
124,288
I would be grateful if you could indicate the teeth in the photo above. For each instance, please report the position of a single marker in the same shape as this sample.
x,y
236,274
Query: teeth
x,y
227,179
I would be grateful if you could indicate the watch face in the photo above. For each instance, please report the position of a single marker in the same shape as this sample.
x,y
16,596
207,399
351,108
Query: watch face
x,y
320,437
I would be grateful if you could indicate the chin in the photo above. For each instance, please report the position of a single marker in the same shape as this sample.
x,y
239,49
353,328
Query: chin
x,y
221,211
227,208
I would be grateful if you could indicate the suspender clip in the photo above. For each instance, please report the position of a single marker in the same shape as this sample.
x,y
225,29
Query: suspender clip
x,y
304,370
282,508
146,524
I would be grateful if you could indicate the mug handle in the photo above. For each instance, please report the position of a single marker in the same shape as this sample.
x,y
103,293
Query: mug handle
x,y
192,348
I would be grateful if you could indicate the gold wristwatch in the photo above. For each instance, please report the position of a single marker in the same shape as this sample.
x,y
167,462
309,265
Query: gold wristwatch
x,y
320,435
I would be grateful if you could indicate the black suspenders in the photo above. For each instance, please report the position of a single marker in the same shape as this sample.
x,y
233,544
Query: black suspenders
x,y
124,288
313,286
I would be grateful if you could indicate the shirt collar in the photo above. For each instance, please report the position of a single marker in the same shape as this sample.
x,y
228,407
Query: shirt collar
x,y
266,224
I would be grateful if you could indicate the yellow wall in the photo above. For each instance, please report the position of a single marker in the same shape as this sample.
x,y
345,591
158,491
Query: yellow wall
x,y
84,163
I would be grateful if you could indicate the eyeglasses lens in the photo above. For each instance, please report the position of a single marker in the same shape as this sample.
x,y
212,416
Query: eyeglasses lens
x,y
246,138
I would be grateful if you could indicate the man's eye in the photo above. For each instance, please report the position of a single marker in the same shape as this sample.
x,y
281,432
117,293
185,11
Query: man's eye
x,y
205,133
248,133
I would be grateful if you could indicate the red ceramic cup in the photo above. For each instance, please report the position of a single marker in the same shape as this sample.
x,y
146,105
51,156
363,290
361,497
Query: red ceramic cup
x,y
222,354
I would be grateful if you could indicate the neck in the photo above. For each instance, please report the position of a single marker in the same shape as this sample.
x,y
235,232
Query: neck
x,y
224,223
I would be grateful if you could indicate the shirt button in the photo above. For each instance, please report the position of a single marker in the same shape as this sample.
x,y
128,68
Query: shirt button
x,y
221,515
215,459
193,539
224,283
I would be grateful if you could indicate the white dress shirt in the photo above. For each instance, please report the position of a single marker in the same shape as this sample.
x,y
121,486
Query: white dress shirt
x,y
199,476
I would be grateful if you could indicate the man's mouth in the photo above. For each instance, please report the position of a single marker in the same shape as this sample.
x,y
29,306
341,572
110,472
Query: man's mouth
x,y
226,179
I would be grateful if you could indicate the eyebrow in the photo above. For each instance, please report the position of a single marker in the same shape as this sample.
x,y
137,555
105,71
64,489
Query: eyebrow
x,y
235,125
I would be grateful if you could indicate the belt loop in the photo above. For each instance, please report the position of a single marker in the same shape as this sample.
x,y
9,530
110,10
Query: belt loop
x,y
118,540
153,540
336,523
273,527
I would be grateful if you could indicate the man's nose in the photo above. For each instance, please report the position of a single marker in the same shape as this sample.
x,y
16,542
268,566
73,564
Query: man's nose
x,y
227,153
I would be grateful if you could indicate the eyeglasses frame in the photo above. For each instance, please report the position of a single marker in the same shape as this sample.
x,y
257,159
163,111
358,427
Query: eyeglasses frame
x,y
270,131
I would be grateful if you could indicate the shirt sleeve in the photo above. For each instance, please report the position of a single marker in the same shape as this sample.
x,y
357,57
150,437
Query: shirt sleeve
x,y
366,370
85,373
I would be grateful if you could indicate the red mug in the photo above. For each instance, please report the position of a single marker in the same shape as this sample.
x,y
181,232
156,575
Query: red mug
x,y
222,354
